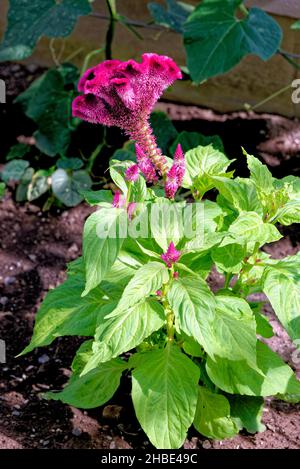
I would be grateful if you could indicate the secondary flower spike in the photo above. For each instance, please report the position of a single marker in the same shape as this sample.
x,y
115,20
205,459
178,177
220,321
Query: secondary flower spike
x,y
175,174
171,256
132,173
145,165
123,94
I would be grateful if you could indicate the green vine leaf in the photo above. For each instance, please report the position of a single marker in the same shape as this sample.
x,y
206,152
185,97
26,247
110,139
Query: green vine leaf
x,y
28,21
216,39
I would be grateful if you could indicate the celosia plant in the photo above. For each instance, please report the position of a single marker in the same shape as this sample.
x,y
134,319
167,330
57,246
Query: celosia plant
x,y
196,356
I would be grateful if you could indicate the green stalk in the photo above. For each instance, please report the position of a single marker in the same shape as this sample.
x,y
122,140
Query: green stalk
x,y
111,5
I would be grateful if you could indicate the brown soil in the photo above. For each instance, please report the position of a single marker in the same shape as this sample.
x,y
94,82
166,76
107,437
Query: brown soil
x,y
34,250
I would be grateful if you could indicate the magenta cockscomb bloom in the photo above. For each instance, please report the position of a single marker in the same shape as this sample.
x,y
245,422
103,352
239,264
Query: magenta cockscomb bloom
x,y
175,174
145,165
132,173
123,94
171,256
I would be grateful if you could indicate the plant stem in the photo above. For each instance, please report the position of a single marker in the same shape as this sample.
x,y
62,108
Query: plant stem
x,y
228,277
93,157
288,58
111,5
53,52
243,9
88,57
269,98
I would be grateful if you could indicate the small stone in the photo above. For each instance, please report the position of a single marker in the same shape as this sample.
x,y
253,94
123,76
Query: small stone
x,y
9,281
112,412
76,431
43,359
206,444
3,300
32,257
32,68
15,413
46,442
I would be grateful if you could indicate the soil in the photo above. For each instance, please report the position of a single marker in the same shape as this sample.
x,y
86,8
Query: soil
x,y
34,250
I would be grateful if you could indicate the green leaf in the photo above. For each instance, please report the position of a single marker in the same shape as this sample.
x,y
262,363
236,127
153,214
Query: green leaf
x,y
101,244
216,40
124,155
14,170
69,163
64,312
224,325
38,185
240,192
121,331
247,412
281,284
147,280
173,16
250,227
228,257
263,327
2,189
164,394
97,197
166,222
163,130
190,140
289,213
27,23
259,174
203,161
92,389
17,151
67,187
212,418
237,377
296,25
48,104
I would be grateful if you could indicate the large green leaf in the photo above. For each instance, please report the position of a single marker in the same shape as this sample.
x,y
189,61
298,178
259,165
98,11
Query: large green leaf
x,y
97,197
28,21
224,325
259,174
65,312
272,377
281,284
201,162
101,244
289,213
48,103
68,187
249,227
164,394
228,257
94,388
190,140
212,418
247,412
147,280
173,16
14,170
121,331
240,192
216,40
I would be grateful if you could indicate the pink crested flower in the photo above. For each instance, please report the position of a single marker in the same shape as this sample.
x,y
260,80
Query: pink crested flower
x,y
119,200
171,256
123,94
132,173
175,174
145,165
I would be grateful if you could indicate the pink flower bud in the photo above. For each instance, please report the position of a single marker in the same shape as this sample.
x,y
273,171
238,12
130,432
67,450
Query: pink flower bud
x,y
159,293
171,256
179,164
132,173
130,209
175,275
171,184
119,200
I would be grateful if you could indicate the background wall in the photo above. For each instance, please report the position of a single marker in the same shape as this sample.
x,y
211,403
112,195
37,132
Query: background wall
x,y
250,82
